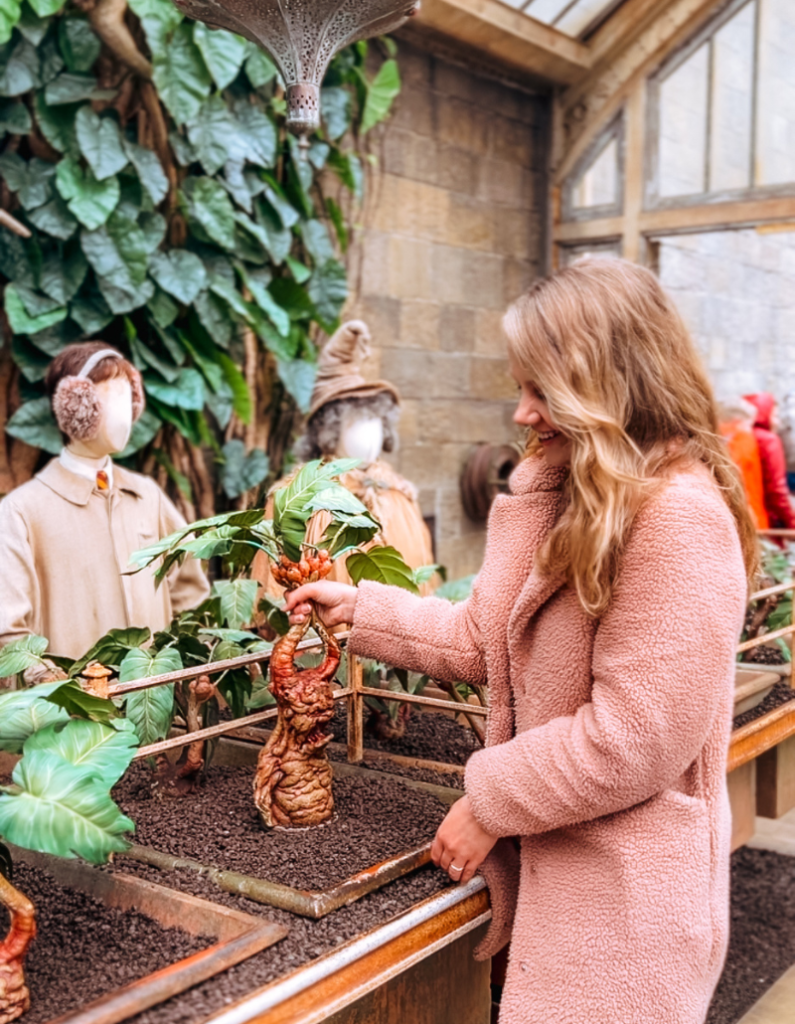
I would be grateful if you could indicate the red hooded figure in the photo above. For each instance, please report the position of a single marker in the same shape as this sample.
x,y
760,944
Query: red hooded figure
x,y
774,463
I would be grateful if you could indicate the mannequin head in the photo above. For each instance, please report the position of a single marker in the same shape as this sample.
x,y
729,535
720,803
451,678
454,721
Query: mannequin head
x,y
357,428
96,409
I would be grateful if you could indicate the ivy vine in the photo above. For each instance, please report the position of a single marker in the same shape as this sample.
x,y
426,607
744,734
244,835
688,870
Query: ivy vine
x,y
172,215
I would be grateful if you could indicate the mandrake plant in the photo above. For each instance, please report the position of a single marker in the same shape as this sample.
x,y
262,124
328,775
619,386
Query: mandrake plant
x,y
292,786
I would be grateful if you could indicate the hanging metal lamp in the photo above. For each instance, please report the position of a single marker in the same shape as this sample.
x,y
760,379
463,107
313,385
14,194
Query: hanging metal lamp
x,y
301,37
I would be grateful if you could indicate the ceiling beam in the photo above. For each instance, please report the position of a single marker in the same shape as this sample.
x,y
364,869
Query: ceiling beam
x,y
508,36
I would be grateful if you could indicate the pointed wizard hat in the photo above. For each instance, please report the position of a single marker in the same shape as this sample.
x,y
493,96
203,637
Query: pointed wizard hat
x,y
338,368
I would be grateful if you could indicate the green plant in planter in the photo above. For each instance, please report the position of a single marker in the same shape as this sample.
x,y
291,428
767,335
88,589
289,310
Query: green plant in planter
x,y
74,749
292,786
773,612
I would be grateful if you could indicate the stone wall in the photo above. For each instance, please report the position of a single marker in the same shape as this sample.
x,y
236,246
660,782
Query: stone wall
x,y
454,231
736,291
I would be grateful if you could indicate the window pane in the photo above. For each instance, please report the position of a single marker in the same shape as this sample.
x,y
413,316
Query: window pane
x,y
546,10
775,146
584,13
683,127
599,184
732,102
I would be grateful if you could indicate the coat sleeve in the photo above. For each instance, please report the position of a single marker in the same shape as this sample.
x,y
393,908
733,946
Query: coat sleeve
x,y
19,587
774,472
663,656
187,583
422,634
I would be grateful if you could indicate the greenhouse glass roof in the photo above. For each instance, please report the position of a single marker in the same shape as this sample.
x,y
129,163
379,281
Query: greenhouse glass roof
x,y
576,18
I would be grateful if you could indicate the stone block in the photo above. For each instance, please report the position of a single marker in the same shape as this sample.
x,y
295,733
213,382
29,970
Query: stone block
x,y
462,277
511,141
412,208
414,109
505,184
451,519
491,379
457,169
462,556
469,224
408,425
457,325
419,324
516,232
432,464
375,263
451,421
489,335
424,375
410,268
409,155
517,277
382,316
460,124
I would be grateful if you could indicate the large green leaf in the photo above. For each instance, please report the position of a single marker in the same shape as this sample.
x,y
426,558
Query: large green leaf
x,y
259,67
78,44
14,117
242,471
384,565
223,53
214,317
215,134
62,273
34,424
19,68
31,181
119,254
57,125
91,311
257,282
381,93
180,273
21,654
328,289
10,11
317,241
24,712
91,201
143,432
45,8
298,377
187,392
100,143
335,106
62,809
107,749
79,703
259,132
32,27
15,263
54,218
238,598
111,649
149,170
69,88
159,18
209,205
150,710
18,318
180,75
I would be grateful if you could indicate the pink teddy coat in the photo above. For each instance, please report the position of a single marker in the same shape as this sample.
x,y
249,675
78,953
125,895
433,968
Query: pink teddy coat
x,y
606,751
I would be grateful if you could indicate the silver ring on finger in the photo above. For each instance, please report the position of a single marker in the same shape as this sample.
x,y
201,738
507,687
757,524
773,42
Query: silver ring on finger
x,y
455,867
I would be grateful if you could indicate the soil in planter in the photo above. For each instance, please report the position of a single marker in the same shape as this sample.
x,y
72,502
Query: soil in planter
x,y
781,693
219,825
84,949
762,941
430,736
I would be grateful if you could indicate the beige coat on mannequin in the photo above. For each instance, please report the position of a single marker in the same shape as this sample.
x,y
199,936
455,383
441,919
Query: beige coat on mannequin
x,y
63,548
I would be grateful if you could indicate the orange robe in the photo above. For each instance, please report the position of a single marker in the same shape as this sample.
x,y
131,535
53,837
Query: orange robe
x,y
744,451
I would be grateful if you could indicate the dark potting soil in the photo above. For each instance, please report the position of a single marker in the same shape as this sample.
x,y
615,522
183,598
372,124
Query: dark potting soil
x,y
432,737
84,949
781,693
306,940
762,941
219,825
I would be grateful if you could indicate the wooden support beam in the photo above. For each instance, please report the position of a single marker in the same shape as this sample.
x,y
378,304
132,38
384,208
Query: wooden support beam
x,y
509,36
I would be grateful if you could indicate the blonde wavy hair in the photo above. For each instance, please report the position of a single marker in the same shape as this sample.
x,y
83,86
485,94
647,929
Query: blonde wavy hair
x,y
613,359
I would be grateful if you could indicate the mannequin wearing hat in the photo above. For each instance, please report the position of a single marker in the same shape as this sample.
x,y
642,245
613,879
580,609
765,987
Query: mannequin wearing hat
x,y
66,536
353,418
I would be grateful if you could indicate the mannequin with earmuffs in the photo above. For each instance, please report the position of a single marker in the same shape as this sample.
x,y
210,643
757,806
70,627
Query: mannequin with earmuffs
x,y
66,536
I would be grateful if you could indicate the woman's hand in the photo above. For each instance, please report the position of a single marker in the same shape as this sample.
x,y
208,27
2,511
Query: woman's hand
x,y
461,845
334,602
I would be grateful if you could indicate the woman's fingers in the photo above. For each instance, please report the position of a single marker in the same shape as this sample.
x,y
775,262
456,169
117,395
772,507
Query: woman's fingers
x,y
437,849
469,872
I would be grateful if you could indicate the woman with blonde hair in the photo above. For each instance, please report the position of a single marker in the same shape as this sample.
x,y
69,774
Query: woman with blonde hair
x,y
604,620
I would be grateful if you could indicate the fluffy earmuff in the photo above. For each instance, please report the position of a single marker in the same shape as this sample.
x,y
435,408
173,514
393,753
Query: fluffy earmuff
x,y
77,406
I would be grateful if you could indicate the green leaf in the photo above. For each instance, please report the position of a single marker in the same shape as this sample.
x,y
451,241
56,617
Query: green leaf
x,y
276,617
69,88
14,117
31,181
261,696
237,600
223,53
335,107
21,654
186,393
159,18
180,75
79,46
34,302
29,358
338,220
54,340
24,712
348,169
34,424
328,290
143,356
106,749
54,218
260,135
259,67
91,311
215,135
19,68
384,565
10,11
209,205
291,297
214,318
163,309
242,471
241,398
317,241
318,154
180,273
51,64
32,27
257,282
18,318
111,649
119,255
91,201
62,273
153,226
100,143
274,193
149,170
381,93
57,125
425,573
298,377
62,809
150,710
46,8
298,270
78,702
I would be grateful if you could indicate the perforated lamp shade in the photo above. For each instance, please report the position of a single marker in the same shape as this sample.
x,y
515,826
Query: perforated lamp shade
x,y
301,36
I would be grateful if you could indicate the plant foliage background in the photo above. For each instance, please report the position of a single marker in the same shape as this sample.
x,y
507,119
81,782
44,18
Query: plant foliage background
x,y
172,216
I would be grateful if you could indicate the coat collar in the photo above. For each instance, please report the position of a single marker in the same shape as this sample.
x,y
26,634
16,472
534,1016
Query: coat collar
x,y
78,489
